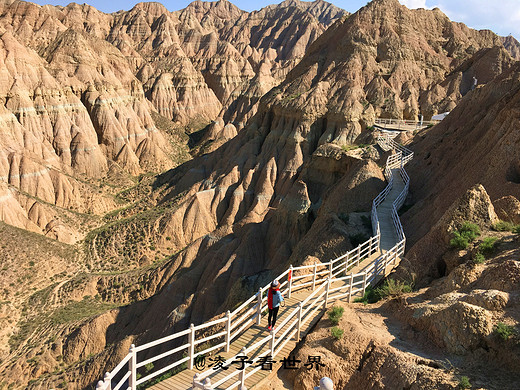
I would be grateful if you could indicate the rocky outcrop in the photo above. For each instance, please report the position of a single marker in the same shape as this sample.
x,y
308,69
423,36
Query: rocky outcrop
x,y
427,339
508,209
429,257
512,46
471,146
368,65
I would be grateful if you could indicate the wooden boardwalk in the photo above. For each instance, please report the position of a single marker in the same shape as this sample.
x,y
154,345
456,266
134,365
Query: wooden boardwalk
x,y
253,334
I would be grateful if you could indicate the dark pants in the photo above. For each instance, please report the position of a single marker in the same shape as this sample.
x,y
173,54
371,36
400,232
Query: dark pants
x,y
271,319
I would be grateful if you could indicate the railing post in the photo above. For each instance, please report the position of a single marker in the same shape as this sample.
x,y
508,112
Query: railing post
x,y
350,287
364,282
358,255
271,343
314,277
327,287
299,325
259,308
346,264
206,385
330,269
290,277
107,382
228,330
191,348
242,373
133,368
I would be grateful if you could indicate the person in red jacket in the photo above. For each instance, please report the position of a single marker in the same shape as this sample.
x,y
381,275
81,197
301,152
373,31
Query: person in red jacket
x,y
274,298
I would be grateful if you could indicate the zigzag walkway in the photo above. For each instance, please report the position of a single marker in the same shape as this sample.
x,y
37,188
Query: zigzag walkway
x,y
184,380
308,291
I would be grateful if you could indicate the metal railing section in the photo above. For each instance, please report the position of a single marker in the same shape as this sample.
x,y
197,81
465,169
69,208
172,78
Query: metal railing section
x,y
323,279
401,124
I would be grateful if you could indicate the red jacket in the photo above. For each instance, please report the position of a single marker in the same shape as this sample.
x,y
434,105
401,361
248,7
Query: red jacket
x,y
270,297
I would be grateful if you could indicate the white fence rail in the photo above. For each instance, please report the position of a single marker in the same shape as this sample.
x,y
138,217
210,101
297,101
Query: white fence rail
x,y
401,124
324,279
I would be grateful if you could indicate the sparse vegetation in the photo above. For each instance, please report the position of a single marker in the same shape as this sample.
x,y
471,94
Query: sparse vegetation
x,y
75,311
393,288
466,234
487,246
337,333
370,296
503,226
335,314
349,147
503,331
464,383
479,258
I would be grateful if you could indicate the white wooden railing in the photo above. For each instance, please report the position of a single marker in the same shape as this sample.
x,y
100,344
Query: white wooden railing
x,y
322,279
401,124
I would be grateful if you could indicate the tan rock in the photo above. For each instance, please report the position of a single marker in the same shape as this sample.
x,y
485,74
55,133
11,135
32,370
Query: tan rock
x,y
508,209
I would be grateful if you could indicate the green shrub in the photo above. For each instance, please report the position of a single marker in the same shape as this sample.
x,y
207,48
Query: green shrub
x,y
370,296
393,288
516,229
503,331
503,226
466,234
148,367
464,383
337,333
470,230
479,258
459,241
487,246
335,314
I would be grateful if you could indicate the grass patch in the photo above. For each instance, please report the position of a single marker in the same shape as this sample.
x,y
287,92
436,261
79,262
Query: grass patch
x,y
464,383
336,332
370,296
393,288
335,314
504,331
350,147
503,226
75,311
487,246
466,234
479,258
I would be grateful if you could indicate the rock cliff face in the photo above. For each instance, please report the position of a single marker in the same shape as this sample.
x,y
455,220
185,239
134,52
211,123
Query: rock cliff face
x,y
79,88
473,145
